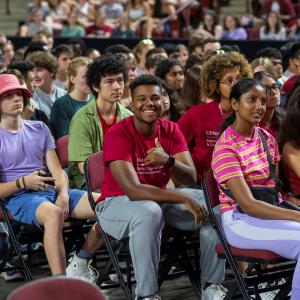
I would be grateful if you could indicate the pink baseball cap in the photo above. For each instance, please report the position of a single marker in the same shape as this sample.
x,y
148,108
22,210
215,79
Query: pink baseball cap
x,y
10,82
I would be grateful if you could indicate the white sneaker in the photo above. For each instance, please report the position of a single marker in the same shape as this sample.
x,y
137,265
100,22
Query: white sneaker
x,y
155,297
214,292
80,268
114,277
267,295
12,274
271,294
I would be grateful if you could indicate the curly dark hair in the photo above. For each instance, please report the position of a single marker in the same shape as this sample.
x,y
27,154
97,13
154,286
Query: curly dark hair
x,y
144,80
104,66
165,66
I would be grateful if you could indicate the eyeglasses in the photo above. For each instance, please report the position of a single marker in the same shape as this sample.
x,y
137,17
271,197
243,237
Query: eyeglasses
x,y
273,87
230,81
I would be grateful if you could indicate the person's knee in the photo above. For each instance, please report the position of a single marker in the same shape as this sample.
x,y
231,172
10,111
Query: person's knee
x,y
54,217
195,194
208,235
151,213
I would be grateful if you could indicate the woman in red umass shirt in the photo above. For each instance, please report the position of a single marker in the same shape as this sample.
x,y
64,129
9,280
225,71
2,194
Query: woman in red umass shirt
x,y
201,124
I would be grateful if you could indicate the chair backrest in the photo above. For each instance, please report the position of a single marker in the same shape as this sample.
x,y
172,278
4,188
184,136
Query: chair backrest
x,y
61,288
62,150
4,213
211,188
94,174
211,193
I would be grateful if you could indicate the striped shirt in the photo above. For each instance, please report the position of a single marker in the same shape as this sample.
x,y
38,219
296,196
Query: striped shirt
x,y
236,156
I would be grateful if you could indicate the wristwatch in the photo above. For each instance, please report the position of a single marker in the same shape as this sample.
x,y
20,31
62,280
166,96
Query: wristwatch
x,y
170,162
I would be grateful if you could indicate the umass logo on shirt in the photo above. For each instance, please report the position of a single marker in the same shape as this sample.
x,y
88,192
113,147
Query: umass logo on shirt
x,y
211,137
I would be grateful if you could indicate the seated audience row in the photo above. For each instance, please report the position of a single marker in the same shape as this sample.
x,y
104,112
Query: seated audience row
x,y
143,150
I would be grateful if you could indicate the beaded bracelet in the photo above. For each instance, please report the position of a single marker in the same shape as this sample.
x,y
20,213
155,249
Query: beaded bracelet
x,y
18,184
23,180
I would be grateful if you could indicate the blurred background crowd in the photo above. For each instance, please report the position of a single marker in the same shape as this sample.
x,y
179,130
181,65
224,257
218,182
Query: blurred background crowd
x,y
263,19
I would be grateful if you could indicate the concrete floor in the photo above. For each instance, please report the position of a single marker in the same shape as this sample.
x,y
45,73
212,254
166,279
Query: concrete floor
x,y
177,288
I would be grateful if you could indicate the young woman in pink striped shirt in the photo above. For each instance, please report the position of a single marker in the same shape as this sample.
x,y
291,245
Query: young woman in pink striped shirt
x,y
239,162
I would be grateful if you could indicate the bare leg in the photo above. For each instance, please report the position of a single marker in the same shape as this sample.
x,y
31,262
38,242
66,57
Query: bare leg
x,y
242,265
51,217
83,210
92,242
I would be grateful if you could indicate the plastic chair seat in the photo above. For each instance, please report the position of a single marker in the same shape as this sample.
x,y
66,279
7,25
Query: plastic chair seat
x,y
250,254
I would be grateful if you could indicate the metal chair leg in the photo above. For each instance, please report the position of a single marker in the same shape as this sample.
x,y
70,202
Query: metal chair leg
x,y
16,245
114,259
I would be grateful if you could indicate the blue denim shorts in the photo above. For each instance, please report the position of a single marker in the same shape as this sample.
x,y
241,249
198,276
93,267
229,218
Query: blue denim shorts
x,y
23,205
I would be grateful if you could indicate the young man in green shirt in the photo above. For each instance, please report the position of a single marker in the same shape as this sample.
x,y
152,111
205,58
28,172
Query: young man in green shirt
x,y
106,77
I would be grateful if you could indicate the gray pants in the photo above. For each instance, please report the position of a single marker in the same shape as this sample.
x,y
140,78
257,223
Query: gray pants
x,y
143,221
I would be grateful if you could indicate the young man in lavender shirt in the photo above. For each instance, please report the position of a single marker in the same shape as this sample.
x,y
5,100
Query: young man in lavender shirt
x,y
27,152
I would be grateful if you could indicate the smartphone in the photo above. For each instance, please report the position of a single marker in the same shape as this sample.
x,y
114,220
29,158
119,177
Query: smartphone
x,y
47,174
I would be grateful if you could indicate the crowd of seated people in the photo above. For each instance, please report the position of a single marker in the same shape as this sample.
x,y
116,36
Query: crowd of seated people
x,y
107,18
157,115
265,20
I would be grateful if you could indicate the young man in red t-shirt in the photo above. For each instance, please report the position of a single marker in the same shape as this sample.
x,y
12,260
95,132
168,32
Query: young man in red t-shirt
x,y
141,154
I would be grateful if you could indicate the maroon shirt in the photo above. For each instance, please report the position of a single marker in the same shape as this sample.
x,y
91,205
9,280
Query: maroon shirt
x,y
124,142
201,127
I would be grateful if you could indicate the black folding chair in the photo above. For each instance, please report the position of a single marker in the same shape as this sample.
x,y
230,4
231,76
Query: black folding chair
x,y
180,248
176,250
94,172
255,274
16,232
74,230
